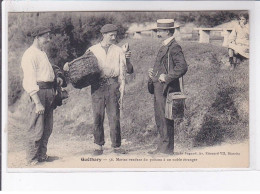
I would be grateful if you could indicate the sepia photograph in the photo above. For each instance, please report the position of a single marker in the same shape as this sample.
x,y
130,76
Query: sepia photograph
x,y
128,89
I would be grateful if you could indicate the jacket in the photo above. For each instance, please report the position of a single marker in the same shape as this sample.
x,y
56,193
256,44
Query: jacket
x,y
177,67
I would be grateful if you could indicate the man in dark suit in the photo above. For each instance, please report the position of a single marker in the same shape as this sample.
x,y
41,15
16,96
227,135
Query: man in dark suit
x,y
163,78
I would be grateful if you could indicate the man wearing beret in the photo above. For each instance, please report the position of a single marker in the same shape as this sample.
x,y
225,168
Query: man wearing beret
x,y
39,80
164,79
105,92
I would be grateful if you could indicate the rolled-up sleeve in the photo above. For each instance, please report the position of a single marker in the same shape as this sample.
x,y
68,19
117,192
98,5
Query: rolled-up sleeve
x,y
29,75
180,67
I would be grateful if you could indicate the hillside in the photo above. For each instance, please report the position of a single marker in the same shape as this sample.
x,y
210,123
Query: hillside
x,y
217,105
73,32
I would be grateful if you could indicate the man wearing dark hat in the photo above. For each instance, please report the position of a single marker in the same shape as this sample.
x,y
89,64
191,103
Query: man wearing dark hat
x,y
105,93
163,79
38,81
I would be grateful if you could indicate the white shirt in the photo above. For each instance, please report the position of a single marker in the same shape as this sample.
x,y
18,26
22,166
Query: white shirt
x,y
240,34
168,40
111,63
36,68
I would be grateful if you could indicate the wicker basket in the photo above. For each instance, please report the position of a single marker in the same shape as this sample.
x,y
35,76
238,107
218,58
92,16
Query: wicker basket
x,y
84,70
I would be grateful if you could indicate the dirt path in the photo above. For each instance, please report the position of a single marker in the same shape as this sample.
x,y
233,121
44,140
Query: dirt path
x,y
69,154
74,151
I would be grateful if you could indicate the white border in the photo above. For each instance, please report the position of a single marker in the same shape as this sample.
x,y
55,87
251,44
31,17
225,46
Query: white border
x,y
22,180
32,6
255,87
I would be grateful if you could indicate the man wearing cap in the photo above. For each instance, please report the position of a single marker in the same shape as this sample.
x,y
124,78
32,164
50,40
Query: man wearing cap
x,y
39,80
105,92
163,80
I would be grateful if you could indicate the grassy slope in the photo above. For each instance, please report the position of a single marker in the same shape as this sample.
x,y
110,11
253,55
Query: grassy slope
x,y
217,107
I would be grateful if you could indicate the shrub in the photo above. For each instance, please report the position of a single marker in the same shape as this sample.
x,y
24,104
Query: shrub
x,y
72,35
74,32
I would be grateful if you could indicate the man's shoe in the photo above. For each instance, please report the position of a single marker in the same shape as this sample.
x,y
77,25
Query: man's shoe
x,y
154,152
168,152
97,152
119,151
43,159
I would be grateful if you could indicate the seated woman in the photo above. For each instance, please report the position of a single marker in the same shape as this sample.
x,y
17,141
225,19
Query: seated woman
x,y
239,41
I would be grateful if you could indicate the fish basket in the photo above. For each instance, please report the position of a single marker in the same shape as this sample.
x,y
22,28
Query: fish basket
x,y
84,71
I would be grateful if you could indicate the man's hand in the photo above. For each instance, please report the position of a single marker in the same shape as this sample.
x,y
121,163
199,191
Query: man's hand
x,y
162,78
128,55
150,73
59,81
126,50
39,109
66,67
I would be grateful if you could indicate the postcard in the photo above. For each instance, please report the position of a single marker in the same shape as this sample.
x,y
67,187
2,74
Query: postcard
x,y
128,89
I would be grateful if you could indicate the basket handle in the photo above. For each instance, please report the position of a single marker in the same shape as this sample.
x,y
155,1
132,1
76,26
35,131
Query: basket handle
x,y
82,57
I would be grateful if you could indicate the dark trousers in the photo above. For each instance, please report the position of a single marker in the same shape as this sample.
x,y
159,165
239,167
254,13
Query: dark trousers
x,y
165,126
40,127
105,95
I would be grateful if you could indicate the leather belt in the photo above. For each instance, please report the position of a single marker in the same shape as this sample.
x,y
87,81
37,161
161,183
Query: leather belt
x,y
45,85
